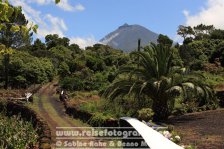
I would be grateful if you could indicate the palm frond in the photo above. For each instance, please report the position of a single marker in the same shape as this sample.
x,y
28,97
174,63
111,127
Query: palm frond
x,y
146,62
138,72
143,87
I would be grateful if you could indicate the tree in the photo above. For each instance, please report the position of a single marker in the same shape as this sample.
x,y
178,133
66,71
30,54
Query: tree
x,y
198,32
54,40
185,31
202,31
155,79
75,48
57,1
60,54
25,70
217,34
12,29
176,59
16,30
218,54
15,39
38,45
199,52
9,19
164,40
95,63
63,69
38,49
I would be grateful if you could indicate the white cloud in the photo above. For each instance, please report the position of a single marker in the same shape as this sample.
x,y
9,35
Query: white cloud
x,y
212,14
186,13
40,2
178,39
79,7
48,24
64,4
84,41
54,25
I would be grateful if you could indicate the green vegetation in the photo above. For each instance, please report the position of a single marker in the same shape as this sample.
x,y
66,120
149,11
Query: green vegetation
x,y
160,80
98,119
92,69
156,79
13,33
167,68
162,77
145,114
16,133
25,70
202,44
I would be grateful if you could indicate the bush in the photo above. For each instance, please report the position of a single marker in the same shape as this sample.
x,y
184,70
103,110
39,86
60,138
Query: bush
x,y
145,114
16,133
98,119
25,70
95,63
213,79
192,106
90,107
63,69
72,83
99,82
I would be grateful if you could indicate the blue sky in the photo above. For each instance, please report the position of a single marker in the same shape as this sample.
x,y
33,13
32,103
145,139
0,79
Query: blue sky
x,y
87,21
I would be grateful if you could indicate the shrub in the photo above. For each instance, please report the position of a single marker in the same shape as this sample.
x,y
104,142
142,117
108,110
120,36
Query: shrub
x,y
98,119
16,133
99,82
89,107
95,63
25,70
213,79
71,83
145,114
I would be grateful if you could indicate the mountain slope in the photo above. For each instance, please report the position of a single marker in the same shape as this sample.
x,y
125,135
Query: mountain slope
x,y
126,37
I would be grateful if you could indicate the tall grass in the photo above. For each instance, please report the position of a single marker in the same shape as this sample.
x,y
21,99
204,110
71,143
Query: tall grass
x,y
16,133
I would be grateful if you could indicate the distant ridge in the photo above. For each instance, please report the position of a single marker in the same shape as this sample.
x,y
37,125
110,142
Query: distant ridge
x,y
126,37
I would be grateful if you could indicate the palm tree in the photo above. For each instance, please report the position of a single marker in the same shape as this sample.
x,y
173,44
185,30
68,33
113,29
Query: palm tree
x,y
156,79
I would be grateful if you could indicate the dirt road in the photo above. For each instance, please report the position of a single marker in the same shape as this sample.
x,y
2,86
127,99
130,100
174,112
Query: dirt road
x,y
47,105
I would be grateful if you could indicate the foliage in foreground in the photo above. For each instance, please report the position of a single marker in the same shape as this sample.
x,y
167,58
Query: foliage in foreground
x,y
16,133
